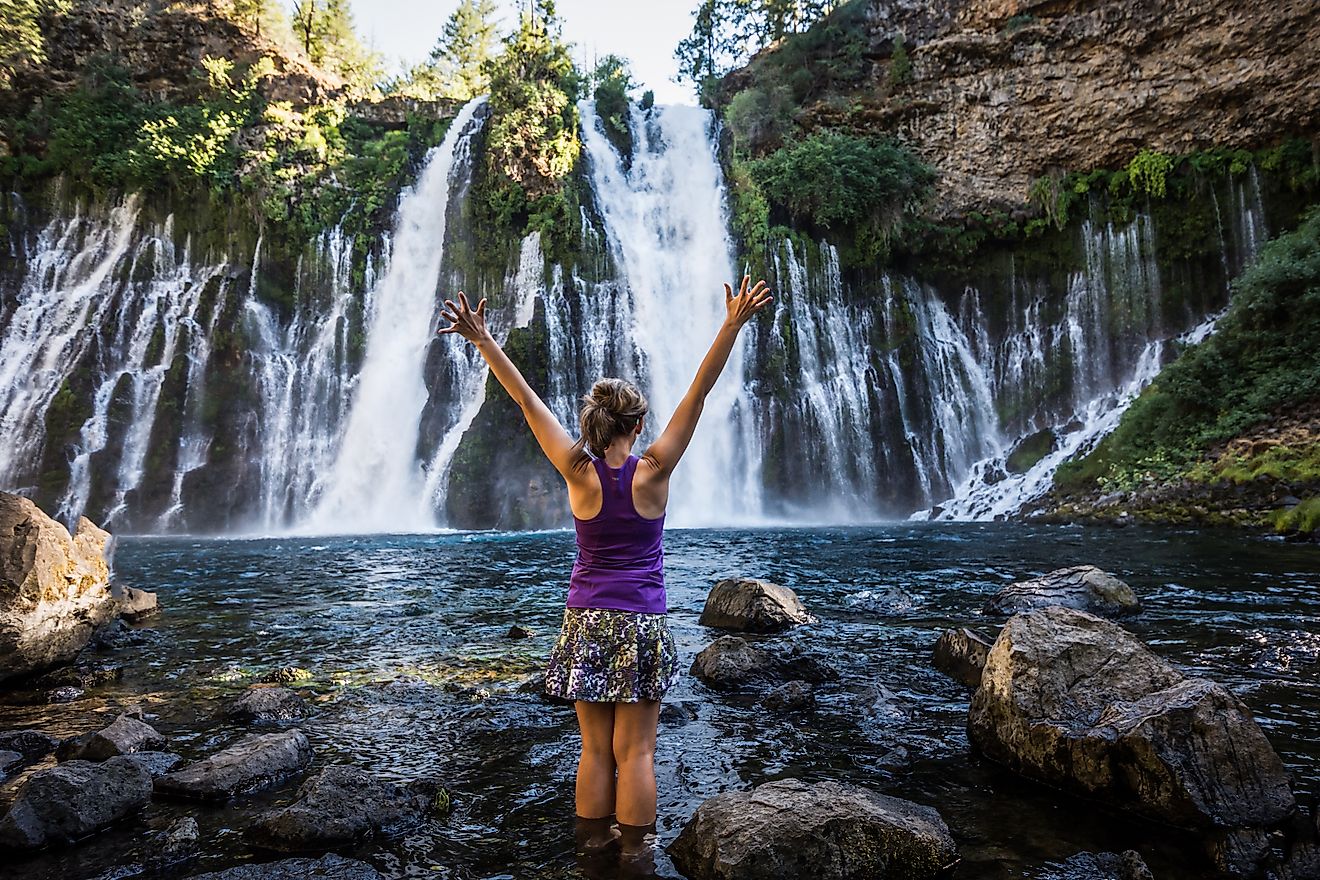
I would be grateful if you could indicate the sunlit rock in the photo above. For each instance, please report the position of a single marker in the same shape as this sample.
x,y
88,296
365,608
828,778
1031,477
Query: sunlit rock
x,y
1083,587
790,830
753,605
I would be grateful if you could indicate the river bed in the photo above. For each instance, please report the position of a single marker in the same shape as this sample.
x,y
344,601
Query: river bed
x,y
414,675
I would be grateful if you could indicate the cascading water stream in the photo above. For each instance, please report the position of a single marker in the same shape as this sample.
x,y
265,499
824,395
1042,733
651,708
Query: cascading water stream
x,y
376,482
666,228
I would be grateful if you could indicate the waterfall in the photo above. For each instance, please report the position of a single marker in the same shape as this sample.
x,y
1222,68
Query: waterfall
x,y
667,232
376,481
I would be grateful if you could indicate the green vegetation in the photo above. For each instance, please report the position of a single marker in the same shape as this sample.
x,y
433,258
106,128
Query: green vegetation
x,y
612,81
456,68
1304,518
900,65
324,31
834,181
725,33
21,41
532,144
1260,361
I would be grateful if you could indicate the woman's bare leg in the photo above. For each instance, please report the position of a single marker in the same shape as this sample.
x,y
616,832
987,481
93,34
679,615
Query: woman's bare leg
x,y
634,754
595,776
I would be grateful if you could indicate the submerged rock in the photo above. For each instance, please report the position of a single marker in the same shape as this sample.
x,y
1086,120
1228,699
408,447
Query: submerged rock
x,y
266,705
960,654
1100,866
123,736
1083,587
33,745
1073,700
342,805
66,694
9,763
790,830
795,696
62,804
327,867
753,605
54,587
177,845
254,762
286,675
518,632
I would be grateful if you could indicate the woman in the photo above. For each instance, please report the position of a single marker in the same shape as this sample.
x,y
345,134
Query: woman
x,y
614,657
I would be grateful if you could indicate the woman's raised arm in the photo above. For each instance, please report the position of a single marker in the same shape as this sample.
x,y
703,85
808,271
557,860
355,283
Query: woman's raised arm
x,y
669,447
564,452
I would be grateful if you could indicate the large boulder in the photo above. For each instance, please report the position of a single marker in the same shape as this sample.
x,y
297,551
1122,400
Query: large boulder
x,y
790,830
753,605
255,762
123,736
1075,701
265,704
1083,587
72,800
54,587
961,654
327,867
343,805
730,662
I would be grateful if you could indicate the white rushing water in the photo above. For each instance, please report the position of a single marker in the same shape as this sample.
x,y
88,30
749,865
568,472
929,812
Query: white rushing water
x,y
376,482
667,231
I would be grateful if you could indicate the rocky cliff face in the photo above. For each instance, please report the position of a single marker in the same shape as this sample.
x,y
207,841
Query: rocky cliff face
x,y
1002,92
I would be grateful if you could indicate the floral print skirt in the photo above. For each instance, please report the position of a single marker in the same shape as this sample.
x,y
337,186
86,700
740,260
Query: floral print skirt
x,y
607,656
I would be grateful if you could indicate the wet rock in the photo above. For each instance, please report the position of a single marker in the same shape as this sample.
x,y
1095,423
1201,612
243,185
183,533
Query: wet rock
x,y
254,762
134,604
174,847
518,632
327,867
155,763
730,662
1100,866
960,654
54,587
116,635
82,676
123,736
677,714
1075,701
66,694
1083,587
796,696
789,830
753,605
343,805
266,705
33,745
883,600
72,800
286,675
9,763
799,663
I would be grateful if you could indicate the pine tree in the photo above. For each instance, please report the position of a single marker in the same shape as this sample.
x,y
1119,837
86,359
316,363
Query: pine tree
x,y
466,44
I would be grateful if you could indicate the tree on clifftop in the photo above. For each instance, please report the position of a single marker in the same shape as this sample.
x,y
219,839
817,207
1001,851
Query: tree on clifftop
x,y
725,33
466,44
324,29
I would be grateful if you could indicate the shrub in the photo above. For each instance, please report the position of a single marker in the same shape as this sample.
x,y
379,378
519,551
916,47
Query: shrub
x,y
760,119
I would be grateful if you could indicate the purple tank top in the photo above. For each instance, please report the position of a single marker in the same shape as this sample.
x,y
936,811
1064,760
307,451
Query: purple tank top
x,y
620,553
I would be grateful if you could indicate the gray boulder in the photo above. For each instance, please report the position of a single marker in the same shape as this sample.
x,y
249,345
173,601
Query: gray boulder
x,y
72,800
960,654
123,736
10,762
177,845
255,762
795,696
327,867
753,605
54,587
133,604
790,830
730,662
33,745
343,805
1083,587
155,763
1075,701
267,705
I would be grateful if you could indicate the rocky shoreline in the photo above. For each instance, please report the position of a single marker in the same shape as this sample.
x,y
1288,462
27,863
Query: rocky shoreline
x,y
1060,695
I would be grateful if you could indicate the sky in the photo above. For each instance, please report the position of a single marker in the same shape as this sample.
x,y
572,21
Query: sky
x,y
645,33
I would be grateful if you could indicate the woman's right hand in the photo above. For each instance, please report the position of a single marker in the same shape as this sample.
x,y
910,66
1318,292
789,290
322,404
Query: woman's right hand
x,y
464,320
747,303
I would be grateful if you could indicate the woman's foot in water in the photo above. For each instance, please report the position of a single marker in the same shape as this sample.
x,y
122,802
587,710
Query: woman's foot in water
x,y
637,850
594,835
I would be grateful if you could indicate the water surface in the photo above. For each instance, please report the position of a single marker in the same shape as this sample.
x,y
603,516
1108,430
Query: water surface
x,y
414,675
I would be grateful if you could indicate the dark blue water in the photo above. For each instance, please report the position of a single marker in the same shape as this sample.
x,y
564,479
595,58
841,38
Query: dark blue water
x,y
413,675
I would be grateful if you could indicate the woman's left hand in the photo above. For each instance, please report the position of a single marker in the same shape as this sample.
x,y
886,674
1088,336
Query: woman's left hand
x,y
464,320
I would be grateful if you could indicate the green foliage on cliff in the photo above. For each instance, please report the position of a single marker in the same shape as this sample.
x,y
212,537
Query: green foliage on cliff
x,y
324,31
532,144
1261,359
456,67
21,40
612,81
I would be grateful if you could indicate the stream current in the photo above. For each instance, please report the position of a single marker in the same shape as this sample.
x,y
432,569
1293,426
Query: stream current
x,y
414,675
